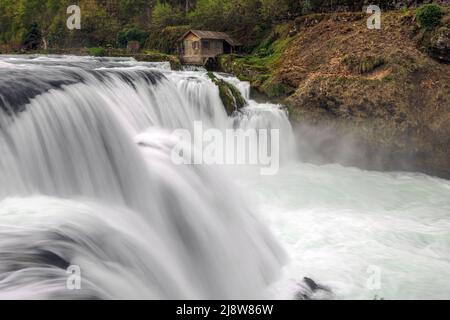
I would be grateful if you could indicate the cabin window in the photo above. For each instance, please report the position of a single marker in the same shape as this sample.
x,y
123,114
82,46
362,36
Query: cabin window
x,y
195,45
205,44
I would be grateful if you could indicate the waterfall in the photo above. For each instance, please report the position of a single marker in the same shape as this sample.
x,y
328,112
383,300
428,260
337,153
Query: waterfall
x,y
89,191
76,188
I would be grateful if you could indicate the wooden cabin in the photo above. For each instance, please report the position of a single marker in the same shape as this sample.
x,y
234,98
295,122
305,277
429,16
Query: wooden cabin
x,y
197,46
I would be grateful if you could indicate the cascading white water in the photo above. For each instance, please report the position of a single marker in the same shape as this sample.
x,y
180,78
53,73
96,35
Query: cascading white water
x,y
76,190
86,179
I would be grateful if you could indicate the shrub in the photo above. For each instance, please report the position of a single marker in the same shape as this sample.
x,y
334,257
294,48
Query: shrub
x,y
265,48
275,90
166,40
97,52
307,7
274,10
164,15
33,38
132,34
429,16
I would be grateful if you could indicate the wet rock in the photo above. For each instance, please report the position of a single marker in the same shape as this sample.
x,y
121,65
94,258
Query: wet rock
x,y
229,94
311,290
440,45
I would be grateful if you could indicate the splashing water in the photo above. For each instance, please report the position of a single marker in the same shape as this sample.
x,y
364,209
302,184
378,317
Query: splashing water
x,y
86,179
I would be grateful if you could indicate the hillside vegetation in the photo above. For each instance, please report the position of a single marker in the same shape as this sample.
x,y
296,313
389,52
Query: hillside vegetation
x,y
156,24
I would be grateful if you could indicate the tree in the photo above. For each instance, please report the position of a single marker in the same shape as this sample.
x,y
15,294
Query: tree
x,y
165,15
209,14
307,7
274,10
38,14
132,34
429,16
33,38
243,18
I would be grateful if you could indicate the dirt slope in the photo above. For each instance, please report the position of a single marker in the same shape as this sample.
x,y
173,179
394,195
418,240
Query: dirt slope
x,y
377,87
370,98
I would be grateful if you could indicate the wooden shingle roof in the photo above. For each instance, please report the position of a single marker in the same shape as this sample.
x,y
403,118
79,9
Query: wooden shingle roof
x,y
215,35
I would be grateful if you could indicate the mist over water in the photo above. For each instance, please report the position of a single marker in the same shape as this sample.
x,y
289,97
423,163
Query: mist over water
x,y
86,179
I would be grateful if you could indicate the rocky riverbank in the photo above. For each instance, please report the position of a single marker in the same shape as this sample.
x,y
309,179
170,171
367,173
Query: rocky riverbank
x,y
377,99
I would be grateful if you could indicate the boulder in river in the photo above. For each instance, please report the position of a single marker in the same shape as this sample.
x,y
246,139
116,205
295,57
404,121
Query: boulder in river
x,y
311,290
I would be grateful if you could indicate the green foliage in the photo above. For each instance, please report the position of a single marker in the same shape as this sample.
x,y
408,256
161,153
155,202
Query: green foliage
x,y
209,14
100,22
275,90
269,51
97,52
167,39
242,19
274,10
164,15
110,22
33,38
265,48
429,16
131,34
307,7
258,67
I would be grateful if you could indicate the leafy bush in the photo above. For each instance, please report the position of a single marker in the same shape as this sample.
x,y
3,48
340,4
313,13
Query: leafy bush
x,y
307,7
97,52
265,48
33,38
209,14
131,34
429,16
167,39
164,15
274,10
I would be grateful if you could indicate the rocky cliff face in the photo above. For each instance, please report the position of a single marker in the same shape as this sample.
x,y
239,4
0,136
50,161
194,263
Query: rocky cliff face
x,y
378,99
377,92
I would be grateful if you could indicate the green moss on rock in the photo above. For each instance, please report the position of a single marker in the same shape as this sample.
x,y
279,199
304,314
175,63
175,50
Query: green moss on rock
x,y
232,99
